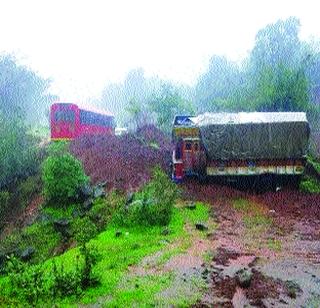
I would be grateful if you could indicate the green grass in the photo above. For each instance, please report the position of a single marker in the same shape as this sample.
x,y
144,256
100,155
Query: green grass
x,y
117,254
41,236
200,213
258,220
242,205
254,217
59,212
274,245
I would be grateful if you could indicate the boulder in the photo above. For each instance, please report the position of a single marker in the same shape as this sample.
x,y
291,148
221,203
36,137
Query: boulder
x,y
201,226
62,225
243,277
27,254
118,233
165,231
85,191
191,206
98,192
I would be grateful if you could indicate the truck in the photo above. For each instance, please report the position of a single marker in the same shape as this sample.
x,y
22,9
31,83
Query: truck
x,y
239,144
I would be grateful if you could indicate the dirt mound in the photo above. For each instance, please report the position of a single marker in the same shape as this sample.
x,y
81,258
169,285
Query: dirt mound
x,y
124,162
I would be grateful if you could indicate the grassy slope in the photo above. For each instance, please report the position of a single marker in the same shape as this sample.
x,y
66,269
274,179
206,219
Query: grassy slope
x,y
119,253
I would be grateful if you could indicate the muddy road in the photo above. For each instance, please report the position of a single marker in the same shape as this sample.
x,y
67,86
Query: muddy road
x,y
266,249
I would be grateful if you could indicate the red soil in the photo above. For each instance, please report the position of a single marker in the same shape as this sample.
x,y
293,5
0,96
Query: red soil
x,y
123,162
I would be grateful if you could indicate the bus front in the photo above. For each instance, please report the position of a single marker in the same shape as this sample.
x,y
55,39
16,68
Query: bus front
x,y
63,121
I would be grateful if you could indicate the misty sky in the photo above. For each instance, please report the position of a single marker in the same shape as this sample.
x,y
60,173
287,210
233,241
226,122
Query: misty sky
x,y
83,45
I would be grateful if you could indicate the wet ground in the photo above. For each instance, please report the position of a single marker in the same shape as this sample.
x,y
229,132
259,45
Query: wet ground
x,y
281,250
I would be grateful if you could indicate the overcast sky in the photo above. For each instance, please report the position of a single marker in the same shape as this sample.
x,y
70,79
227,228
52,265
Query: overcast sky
x,y
84,45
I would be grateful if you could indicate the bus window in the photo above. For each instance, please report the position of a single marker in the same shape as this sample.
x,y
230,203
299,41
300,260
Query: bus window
x,y
196,147
64,116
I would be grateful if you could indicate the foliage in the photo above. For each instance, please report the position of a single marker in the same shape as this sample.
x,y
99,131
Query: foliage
x,y
103,209
26,282
310,185
73,282
168,104
18,153
153,204
40,236
116,254
23,92
62,176
4,201
83,229
28,189
34,283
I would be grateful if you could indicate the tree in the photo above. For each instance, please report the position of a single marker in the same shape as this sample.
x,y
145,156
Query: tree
x,y
23,93
168,104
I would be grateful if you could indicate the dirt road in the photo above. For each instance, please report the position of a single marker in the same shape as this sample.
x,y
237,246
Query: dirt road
x,y
274,236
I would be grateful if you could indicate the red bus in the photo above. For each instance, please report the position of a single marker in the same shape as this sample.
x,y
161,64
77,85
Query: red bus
x,y
69,121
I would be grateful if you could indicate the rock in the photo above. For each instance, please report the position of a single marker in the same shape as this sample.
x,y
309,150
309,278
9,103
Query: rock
x,y
191,206
130,196
165,231
118,233
164,242
44,217
292,288
85,192
87,204
98,192
201,226
243,277
27,254
3,259
62,225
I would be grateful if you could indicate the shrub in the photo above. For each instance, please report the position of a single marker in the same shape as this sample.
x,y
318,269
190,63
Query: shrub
x,y
83,230
4,201
40,236
72,282
25,281
310,185
62,176
33,284
152,205
28,188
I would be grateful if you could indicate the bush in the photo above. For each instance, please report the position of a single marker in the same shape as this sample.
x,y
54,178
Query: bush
x,y
62,176
25,281
310,185
18,151
40,236
33,284
28,189
4,202
152,205
83,230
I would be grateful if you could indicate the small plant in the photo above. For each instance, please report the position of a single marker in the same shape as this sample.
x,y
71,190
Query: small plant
x,y
28,188
83,230
274,244
310,185
153,204
62,175
65,283
4,202
26,282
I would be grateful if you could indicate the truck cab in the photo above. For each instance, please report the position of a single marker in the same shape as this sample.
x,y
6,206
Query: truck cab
x,y
188,153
